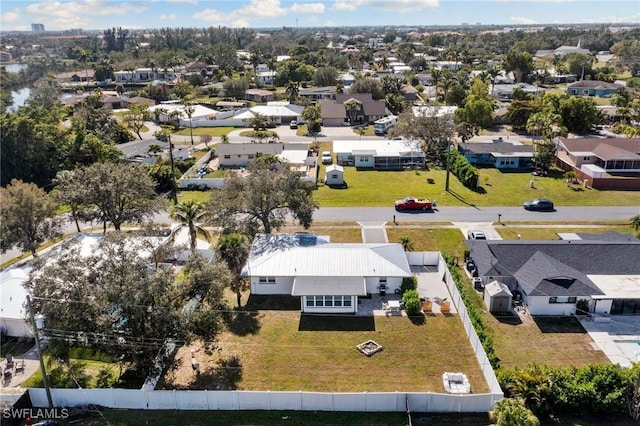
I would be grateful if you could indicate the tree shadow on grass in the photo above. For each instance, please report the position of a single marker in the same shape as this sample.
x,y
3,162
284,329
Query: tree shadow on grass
x,y
461,199
336,323
508,319
420,319
273,303
242,323
559,325
226,374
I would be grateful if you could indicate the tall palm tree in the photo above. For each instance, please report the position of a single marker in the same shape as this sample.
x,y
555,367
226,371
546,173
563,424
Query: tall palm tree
x,y
352,106
635,222
436,78
255,59
189,213
234,251
189,109
292,90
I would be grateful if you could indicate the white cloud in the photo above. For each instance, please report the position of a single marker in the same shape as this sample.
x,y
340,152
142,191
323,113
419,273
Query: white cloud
x,y
614,19
240,23
9,17
58,14
256,10
330,24
345,6
400,5
307,8
182,1
394,5
169,17
210,15
522,20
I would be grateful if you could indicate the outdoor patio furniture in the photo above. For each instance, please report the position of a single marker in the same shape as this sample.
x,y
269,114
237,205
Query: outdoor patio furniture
x,y
7,373
19,368
445,307
427,306
394,305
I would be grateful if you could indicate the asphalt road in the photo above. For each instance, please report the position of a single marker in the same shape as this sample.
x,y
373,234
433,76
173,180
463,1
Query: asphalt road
x,y
475,214
440,214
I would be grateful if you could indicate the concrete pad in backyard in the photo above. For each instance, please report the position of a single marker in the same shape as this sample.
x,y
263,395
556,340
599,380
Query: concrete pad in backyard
x,y
607,336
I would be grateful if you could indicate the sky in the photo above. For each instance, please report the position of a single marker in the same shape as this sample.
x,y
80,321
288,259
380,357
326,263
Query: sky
x,y
140,14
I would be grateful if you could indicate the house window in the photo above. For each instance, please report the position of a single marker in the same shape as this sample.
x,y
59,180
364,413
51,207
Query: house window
x,y
328,301
334,176
227,157
267,280
562,299
251,156
586,158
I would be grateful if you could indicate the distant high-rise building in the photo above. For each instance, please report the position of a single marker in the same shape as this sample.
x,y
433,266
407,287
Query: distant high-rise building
x,y
37,28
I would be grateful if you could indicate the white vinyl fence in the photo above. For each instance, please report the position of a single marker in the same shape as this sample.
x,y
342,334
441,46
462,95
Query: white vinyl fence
x,y
137,399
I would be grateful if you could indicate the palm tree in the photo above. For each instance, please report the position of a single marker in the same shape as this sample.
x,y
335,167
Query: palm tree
x,y
189,109
570,177
83,56
436,78
635,222
188,213
255,59
258,121
233,250
513,412
352,106
224,138
292,90
406,243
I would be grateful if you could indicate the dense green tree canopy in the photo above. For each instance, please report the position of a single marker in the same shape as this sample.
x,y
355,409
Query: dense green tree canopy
x,y
26,217
262,200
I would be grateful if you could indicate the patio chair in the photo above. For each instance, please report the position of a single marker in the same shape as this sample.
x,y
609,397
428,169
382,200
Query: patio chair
x,y
19,368
427,306
445,307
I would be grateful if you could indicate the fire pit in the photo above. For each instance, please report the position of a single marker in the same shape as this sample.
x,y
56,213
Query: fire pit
x,y
369,347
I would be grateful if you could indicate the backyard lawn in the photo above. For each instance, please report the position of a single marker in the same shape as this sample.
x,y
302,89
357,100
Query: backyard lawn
x,y
281,350
554,341
382,188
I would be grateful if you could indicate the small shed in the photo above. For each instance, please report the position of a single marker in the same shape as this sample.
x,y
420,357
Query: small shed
x,y
497,297
334,175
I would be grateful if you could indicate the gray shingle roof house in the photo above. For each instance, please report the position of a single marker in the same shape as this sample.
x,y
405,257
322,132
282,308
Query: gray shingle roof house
x,y
327,277
554,275
334,113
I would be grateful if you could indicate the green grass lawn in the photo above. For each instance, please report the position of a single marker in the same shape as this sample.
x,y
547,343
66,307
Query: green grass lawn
x,y
544,233
382,188
268,343
198,196
200,131
340,232
368,131
450,241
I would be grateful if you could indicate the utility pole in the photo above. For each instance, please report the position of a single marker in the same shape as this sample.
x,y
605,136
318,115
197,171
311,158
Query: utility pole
x,y
36,335
446,185
174,191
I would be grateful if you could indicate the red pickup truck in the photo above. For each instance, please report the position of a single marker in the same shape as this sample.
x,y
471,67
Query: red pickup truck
x,y
412,203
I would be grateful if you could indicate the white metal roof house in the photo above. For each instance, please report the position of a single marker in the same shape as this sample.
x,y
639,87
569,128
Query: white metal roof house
x,y
13,296
379,154
327,277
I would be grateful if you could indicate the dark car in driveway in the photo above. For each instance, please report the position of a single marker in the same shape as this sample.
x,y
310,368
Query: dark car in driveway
x,y
539,204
